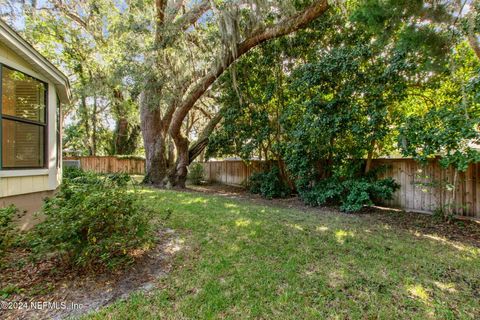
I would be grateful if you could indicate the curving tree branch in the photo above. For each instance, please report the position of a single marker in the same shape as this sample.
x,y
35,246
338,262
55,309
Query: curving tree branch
x,y
284,27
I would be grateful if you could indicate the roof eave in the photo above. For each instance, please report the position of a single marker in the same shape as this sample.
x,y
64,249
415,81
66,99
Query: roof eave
x,y
19,45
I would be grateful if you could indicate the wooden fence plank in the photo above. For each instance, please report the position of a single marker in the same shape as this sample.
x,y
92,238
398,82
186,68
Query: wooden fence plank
x,y
422,188
110,164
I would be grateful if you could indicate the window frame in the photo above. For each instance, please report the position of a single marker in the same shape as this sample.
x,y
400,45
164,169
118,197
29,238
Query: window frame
x,y
45,125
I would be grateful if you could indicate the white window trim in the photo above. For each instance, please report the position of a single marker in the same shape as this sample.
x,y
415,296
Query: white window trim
x,y
15,172
23,173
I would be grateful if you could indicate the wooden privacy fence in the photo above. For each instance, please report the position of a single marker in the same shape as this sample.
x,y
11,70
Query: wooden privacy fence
x,y
422,188
428,187
110,164
231,172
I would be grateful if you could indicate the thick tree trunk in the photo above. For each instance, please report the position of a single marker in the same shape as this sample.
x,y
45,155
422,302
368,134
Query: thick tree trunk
x,y
154,140
178,174
186,155
121,135
284,175
126,134
197,148
126,137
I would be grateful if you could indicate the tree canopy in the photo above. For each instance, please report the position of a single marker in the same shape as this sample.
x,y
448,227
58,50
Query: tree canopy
x,y
320,87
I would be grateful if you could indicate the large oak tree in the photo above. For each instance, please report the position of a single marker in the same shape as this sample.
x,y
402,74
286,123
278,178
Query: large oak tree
x,y
171,93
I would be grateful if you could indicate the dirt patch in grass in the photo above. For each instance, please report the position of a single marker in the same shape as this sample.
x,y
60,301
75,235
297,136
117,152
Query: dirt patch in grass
x,y
422,224
31,286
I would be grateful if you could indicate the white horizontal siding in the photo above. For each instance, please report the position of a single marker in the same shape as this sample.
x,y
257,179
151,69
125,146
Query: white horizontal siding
x,y
21,185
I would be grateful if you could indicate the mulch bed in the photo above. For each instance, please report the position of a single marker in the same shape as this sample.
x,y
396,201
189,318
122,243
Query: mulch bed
x,y
74,293
462,231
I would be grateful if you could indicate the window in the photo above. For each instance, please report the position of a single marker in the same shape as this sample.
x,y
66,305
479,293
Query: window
x,y
23,120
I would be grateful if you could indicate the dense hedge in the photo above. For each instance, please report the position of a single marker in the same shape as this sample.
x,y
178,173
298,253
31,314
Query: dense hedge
x,y
351,194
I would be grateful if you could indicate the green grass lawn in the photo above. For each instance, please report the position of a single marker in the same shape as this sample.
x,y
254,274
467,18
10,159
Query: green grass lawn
x,y
242,260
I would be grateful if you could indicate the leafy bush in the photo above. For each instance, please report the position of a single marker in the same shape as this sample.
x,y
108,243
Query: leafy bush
x,y
7,227
268,184
195,173
352,194
325,192
93,221
121,179
72,172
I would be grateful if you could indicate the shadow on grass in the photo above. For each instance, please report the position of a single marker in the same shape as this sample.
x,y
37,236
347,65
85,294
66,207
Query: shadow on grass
x,y
249,260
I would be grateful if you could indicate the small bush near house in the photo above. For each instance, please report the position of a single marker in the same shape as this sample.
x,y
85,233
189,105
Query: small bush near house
x,y
73,172
7,227
195,173
351,194
93,221
268,184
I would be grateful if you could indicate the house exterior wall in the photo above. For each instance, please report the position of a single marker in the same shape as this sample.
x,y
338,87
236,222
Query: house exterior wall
x,y
29,204
25,181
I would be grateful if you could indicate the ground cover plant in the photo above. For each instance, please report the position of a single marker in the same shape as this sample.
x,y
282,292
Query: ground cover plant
x,y
7,227
250,260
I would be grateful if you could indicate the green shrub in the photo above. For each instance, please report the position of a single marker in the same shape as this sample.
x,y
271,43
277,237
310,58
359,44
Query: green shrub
x,y
93,221
78,176
195,173
352,194
120,179
72,172
7,227
268,184
325,192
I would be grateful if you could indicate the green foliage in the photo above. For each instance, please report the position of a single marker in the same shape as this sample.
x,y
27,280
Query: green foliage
x,y
268,184
444,213
352,194
7,227
9,290
449,127
253,92
329,97
98,56
120,179
93,221
72,173
195,173
344,102
130,157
